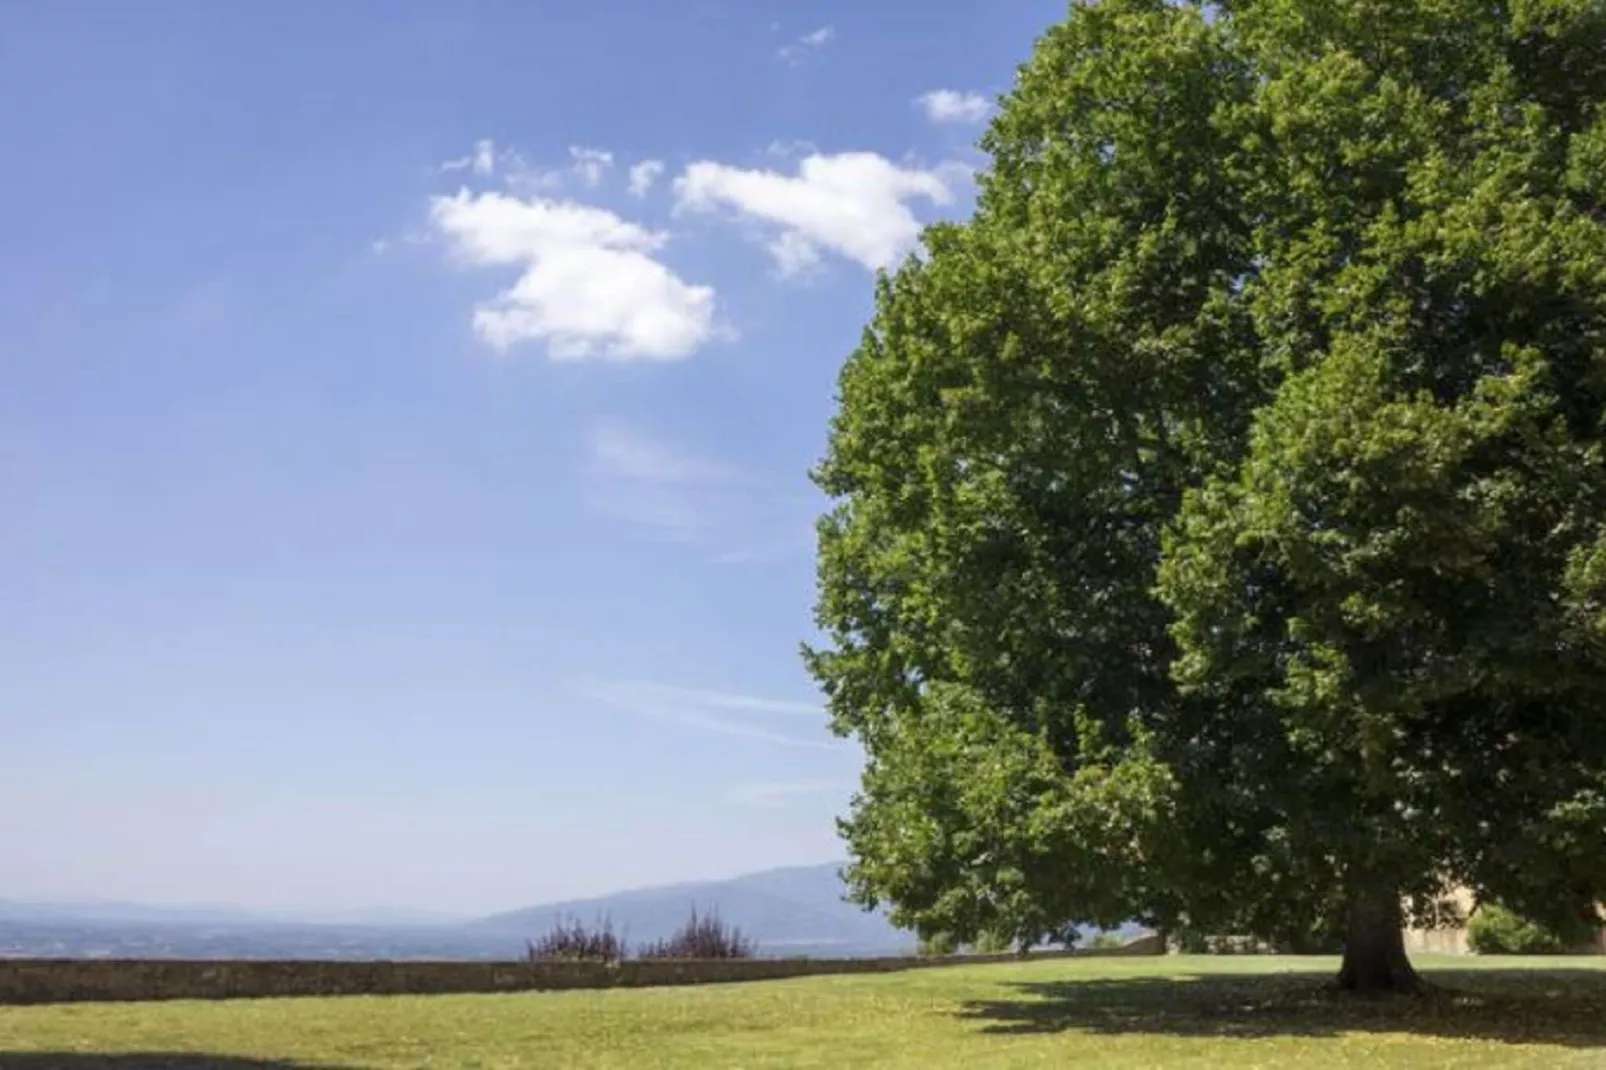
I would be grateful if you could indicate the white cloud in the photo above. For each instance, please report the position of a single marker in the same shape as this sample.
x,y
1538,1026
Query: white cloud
x,y
643,175
689,708
810,41
589,286
853,204
954,106
590,164
482,161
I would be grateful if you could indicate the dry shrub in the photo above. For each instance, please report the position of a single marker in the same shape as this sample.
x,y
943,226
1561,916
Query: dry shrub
x,y
703,936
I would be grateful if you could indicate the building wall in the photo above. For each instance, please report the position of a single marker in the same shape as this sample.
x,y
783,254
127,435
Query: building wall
x,y
1450,936
1446,934
1437,941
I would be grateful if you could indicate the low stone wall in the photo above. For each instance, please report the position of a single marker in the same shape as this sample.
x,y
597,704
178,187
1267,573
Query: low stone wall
x,y
25,981
1153,944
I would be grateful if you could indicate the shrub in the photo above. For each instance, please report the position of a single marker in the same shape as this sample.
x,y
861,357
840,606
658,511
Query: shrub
x,y
569,940
936,945
1106,940
992,944
1497,930
1190,940
702,937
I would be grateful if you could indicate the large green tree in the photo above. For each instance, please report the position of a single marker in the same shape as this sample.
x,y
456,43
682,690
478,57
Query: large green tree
x,y
1219,534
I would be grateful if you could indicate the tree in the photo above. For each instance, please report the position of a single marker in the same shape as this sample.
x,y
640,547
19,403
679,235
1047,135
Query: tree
x,y
1219,523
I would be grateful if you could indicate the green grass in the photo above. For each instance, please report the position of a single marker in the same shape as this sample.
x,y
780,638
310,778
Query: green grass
x,y
1243,1013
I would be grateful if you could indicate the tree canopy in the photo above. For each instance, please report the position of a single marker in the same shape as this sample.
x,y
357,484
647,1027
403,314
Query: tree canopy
x,y
1219,515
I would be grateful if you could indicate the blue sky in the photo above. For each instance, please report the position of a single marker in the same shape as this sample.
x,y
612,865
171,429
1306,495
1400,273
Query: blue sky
x,y
405,411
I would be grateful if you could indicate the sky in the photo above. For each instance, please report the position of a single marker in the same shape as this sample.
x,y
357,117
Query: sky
x,y
405,417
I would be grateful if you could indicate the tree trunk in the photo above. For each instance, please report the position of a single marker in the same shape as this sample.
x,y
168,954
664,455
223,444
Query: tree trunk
x,y
1374,946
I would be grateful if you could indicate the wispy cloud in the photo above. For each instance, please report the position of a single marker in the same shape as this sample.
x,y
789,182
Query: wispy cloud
x,y
954,106
482,161
630,453
652,484
789,148
809,42
643,175
590,164
724,700
583,167
670,492
777,793
208,307
802,543
712,711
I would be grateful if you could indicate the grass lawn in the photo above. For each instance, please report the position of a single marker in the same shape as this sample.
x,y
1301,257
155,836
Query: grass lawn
x,y
1242,1013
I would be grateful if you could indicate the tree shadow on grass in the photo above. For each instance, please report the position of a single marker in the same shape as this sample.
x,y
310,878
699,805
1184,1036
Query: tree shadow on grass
x,y
1561,1007
62,1060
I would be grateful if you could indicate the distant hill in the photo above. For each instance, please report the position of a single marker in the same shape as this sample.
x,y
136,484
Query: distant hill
x,y
89,938
793,911
116,913
796,910
112,913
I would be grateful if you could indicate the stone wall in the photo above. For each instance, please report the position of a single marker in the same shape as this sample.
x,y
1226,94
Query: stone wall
x,y
97,980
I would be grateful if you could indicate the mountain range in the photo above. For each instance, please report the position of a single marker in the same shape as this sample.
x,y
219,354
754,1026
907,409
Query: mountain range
x,y
793,911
